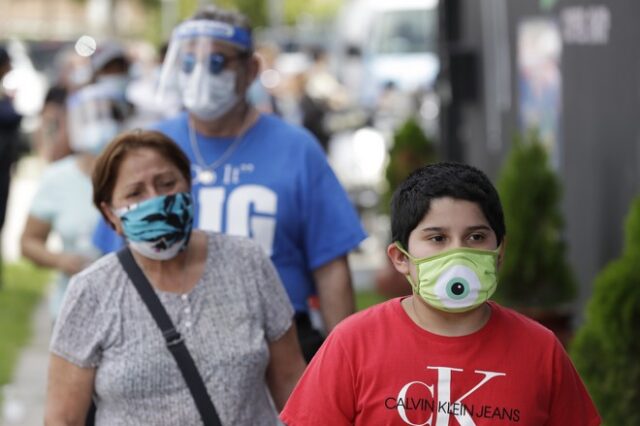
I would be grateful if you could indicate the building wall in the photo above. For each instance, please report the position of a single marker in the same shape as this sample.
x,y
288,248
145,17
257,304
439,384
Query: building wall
x,y
67,19
599,162
601,166
35,17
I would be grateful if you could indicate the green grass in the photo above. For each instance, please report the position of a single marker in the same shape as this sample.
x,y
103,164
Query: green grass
x,y
22,288
364,299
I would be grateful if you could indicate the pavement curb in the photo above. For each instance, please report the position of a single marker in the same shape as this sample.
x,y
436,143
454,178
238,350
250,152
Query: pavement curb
x,y
24,397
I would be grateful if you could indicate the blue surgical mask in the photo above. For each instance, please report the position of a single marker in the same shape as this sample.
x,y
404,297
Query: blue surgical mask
x,y
160,227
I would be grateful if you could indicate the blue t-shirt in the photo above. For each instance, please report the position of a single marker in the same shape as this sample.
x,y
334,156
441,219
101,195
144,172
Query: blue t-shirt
x,y
276,187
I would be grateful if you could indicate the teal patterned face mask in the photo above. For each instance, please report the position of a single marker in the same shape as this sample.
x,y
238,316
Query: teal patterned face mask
x,y
457,280
160,227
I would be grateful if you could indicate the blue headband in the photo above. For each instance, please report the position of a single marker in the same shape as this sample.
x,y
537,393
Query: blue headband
x,y
222,31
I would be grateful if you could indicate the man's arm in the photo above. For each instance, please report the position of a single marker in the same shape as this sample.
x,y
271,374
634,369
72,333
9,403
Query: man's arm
x,y
333,283
286,365
325,394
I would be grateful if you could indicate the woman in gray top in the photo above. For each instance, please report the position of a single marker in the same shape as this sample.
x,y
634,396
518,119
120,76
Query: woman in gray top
x,y
221,292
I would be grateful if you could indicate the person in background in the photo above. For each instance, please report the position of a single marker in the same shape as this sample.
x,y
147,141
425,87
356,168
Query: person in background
x,y
51,138
322,96
261,92
446,354
255,175
72,71
141,93
9,139
62,205
110,66
221,292
291,68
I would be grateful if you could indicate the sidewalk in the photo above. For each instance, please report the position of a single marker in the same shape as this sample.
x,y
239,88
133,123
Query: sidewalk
x,y
24,397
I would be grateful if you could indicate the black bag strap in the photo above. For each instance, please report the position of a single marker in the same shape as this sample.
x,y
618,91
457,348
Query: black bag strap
x,y
175,342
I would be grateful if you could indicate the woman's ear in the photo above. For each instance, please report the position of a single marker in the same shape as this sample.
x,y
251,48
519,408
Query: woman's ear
x,y
112,218
398,259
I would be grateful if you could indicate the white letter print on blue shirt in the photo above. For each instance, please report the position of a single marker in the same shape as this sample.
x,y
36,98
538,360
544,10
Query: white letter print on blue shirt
x,y
250,212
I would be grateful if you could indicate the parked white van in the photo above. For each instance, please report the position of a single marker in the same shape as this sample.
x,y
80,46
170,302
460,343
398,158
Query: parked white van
x,y
396,41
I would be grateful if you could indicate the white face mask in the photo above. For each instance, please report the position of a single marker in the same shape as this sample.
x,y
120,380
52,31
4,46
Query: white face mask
x,y
208,96
94,136
115,84
79,76
146,249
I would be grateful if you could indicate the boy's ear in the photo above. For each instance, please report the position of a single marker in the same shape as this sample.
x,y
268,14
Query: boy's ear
x,y
398,259
503,247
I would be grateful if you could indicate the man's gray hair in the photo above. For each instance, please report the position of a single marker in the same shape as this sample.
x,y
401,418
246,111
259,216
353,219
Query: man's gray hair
x,y
232,17
215,13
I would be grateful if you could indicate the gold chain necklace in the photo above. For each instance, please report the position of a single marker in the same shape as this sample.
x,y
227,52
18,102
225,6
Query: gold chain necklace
x,y
205,173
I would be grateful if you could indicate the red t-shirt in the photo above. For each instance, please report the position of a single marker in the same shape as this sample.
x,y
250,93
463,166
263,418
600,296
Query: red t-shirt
x,y
379,368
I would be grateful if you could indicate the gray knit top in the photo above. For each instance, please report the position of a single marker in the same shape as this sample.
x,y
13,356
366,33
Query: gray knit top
x,y
227,320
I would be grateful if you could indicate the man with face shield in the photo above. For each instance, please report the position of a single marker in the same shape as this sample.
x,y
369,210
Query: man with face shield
x,y
255,175
95,117
110,70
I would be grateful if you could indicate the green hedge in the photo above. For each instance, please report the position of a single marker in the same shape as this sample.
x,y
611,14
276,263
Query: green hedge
x,y
606,349
368,298
23,287
411,149
535,271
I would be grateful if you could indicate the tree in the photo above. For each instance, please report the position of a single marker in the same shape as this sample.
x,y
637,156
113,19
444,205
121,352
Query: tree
x,y
606,348
535,272
411,149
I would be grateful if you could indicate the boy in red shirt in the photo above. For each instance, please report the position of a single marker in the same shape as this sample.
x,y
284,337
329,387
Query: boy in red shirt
x,y
445,355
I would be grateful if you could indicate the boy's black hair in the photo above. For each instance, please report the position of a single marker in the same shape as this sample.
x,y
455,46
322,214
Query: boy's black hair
x,y
412,199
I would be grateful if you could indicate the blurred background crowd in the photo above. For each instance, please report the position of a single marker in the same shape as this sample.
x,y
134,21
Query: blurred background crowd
x,y
350,72
540,94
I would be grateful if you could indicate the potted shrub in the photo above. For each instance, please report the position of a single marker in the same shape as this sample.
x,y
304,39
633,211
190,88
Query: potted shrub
x,y
535,277
606,349
411,149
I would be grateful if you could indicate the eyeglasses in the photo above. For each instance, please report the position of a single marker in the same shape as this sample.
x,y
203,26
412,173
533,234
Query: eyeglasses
x,y
217,62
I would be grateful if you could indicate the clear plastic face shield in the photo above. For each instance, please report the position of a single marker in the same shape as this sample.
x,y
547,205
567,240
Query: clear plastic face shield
x,y
198,59
95,117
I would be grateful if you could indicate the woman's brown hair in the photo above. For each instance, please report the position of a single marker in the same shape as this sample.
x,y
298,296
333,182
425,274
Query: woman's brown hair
x,y
107,167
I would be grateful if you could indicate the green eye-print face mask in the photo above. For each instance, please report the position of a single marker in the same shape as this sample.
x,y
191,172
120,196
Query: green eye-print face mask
x,y
457,280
